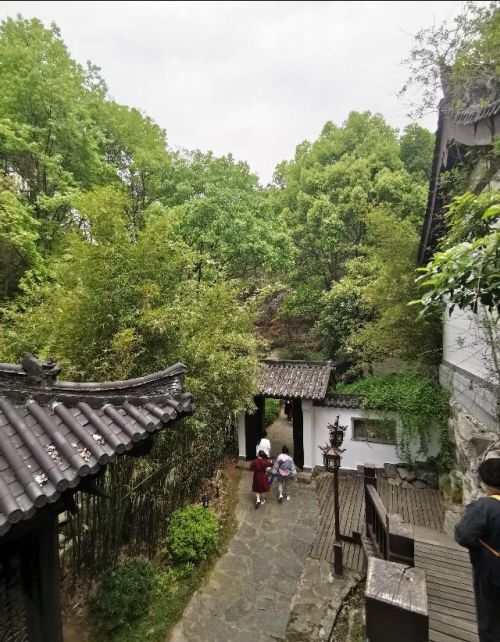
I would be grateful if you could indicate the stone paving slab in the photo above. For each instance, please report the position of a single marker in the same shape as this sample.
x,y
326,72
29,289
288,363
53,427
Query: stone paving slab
x,y
249,593
317,601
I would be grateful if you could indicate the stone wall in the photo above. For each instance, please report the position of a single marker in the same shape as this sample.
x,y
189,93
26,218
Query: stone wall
x,y
470,439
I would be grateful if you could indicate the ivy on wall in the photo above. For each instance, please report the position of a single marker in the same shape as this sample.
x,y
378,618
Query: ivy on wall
x,y
420,403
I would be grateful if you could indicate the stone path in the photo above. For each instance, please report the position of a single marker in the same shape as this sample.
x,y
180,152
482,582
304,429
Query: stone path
x,y
280,434
249,594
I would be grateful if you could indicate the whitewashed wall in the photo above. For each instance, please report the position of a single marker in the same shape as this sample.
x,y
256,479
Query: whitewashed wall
x,y
316,420
357,452
465,345
241,436
468,370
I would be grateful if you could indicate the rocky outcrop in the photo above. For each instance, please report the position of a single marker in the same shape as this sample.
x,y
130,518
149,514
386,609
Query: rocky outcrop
x,y
471,440
421,475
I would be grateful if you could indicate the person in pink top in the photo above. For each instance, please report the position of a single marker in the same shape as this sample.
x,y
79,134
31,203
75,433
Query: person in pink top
x,y
284,469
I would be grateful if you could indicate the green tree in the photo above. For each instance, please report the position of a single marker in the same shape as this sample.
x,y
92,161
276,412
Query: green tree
x,y
136,148
47,138
324,196
453,54
18,237
466,271
227,218
416,150
112,308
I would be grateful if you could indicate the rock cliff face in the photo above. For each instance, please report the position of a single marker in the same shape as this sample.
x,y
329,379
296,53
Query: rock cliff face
x,y
471,441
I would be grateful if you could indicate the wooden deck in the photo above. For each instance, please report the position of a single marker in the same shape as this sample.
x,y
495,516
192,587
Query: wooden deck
x,y
452,613
450,594
417,507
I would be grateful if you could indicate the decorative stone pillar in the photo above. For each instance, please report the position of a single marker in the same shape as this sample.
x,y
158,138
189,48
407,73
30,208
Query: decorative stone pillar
x,y
308,433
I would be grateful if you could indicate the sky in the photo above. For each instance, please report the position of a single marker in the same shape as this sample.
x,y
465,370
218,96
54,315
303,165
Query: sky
x,y
253,79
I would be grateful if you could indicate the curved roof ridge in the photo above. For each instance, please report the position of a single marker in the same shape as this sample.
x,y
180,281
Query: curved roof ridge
x,y
155,377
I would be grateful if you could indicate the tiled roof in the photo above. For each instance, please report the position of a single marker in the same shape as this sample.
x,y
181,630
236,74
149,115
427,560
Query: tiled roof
x,y
340,400
468,116
54,434
294,379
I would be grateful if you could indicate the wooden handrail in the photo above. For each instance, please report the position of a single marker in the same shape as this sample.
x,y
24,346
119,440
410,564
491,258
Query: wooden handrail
x,y
377,504
392,538
377,521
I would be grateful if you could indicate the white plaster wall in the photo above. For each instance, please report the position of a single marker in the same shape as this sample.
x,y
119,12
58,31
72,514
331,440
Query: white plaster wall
x,y
308,433
465,345
357,452
241,435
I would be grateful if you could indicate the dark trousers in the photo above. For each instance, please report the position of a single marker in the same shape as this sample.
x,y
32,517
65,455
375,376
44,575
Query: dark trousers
x,y
488,608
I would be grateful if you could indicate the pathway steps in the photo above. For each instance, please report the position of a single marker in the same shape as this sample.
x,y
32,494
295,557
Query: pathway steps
x,y
450,593
248,595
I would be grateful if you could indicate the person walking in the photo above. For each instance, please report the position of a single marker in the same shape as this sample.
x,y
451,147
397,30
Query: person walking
x,y
284,469
264,444
479,531
260,483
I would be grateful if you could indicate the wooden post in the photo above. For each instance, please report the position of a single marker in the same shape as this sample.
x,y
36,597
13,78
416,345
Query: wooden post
x,y
298,433
253,428
369,479
396,603
337,545
369,475
401,541
50,605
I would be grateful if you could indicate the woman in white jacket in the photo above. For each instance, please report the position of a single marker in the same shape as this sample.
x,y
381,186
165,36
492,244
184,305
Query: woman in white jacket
x,y
265,445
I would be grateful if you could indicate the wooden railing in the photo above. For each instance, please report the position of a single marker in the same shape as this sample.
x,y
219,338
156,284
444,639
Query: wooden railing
x,y
401,613
377,522
392,539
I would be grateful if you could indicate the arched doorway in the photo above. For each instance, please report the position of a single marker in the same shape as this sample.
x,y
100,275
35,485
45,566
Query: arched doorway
x,y
300,382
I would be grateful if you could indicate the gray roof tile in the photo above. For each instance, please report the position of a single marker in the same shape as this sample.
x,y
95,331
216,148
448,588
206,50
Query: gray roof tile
x,y
340,400
54,434
294,379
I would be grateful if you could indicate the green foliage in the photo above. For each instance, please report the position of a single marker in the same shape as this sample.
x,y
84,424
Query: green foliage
x,y
334,197
466,271
18,237
47,135
271,411
115,308
366,315
419,402
192,534
416,150
227,218
135,146
455,55
124,593
119,258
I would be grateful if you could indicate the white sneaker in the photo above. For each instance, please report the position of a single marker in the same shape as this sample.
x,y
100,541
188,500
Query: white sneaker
x,y
287,497
280,498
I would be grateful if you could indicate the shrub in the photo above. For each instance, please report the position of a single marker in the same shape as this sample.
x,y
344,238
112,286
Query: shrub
x,y
272,411
192,534
124,593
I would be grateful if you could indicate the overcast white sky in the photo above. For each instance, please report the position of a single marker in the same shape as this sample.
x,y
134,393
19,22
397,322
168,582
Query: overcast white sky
x,y
250,78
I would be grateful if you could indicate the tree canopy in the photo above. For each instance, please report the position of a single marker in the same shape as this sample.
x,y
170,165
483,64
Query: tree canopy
x,y
353,201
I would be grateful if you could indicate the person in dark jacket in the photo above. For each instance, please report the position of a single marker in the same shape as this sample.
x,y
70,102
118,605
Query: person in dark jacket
x,y
479,531
260,484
